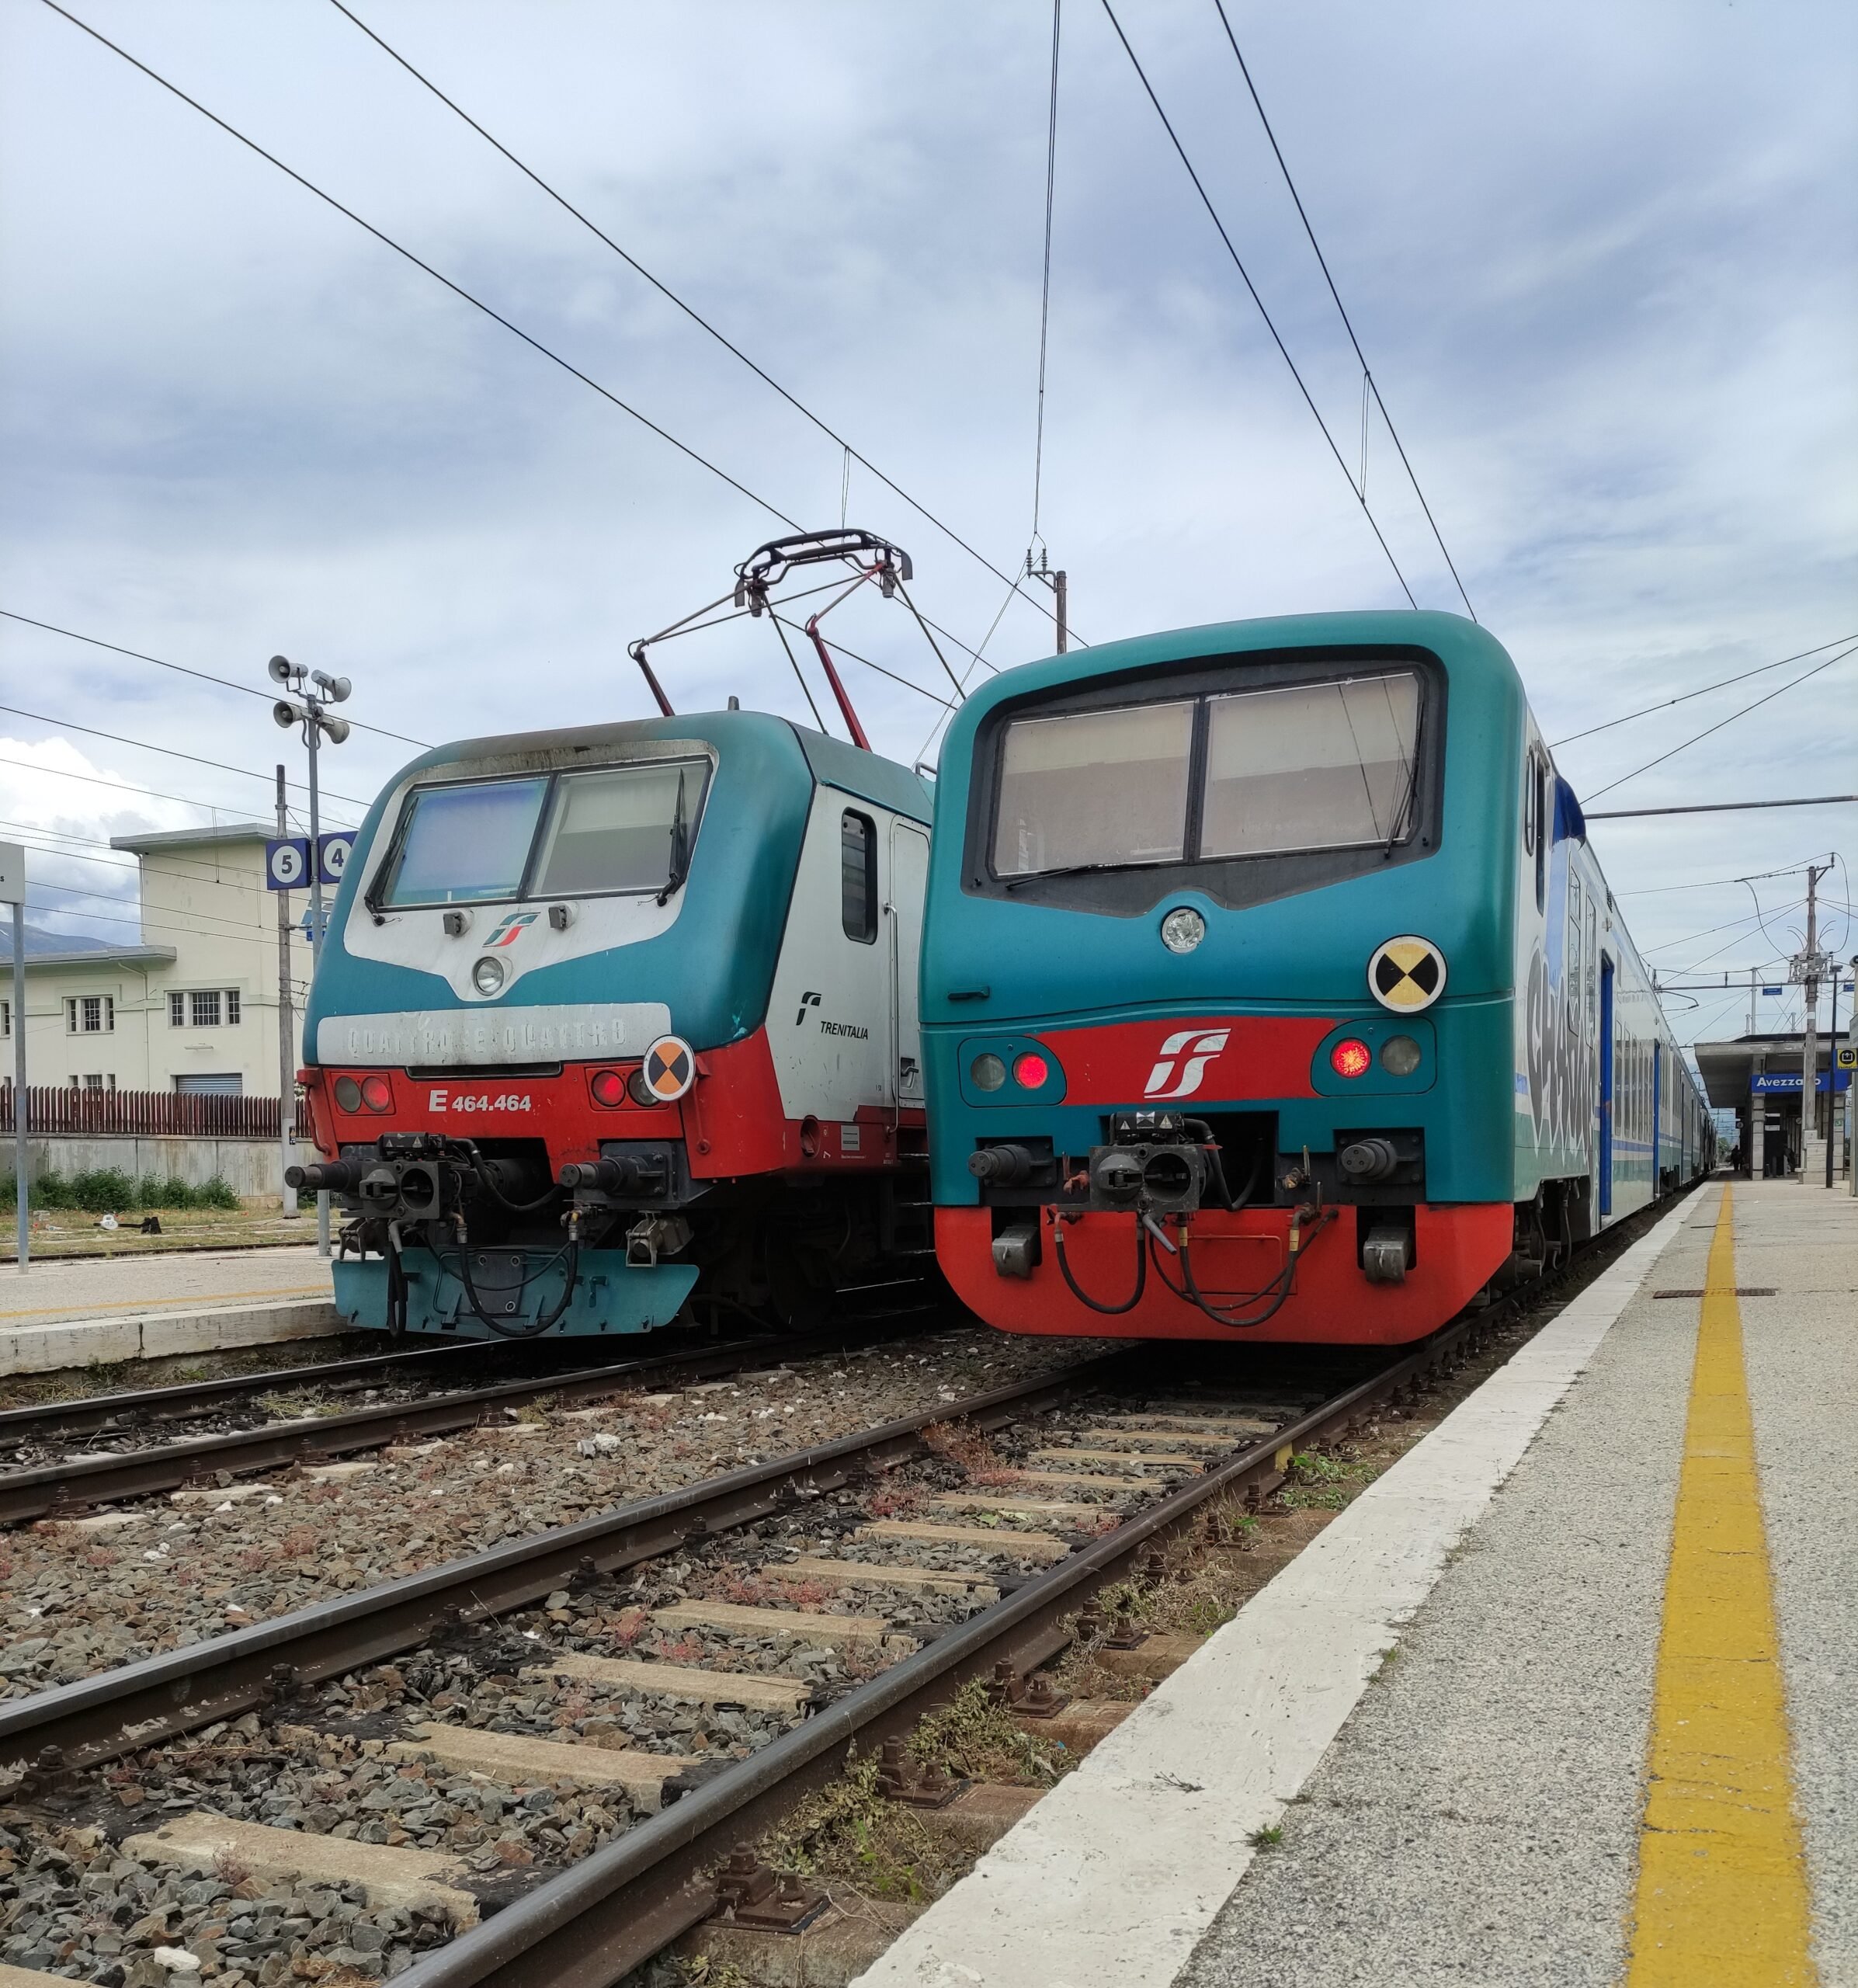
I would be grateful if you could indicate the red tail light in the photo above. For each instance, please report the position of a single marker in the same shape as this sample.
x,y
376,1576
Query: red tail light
x,y
607,1087
377,1093
1350,1057
1031,1070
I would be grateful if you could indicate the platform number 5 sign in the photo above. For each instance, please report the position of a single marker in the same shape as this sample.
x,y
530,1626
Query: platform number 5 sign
x,y
288,863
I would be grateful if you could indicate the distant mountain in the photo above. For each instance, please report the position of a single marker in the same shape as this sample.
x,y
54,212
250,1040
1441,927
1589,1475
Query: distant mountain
x,y
38,940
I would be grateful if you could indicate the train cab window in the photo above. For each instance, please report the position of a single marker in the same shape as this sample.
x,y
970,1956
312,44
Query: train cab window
x,y
1094,789
1573,980
1312,766
1538,775
858,877
464,844
623,829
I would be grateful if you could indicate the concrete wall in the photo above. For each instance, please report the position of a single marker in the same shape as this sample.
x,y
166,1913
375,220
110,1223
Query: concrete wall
x,y
250,1166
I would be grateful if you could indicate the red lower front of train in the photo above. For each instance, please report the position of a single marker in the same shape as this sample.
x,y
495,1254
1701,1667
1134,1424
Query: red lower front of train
x,y
732,1122
1239,1262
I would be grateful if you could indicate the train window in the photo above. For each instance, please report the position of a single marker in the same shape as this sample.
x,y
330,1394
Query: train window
x,y
465,844
1593,966
1538,768
623,829
1094,789
858,877
1312,766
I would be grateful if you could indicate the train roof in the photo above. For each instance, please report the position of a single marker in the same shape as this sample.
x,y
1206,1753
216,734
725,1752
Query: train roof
x,y
868,776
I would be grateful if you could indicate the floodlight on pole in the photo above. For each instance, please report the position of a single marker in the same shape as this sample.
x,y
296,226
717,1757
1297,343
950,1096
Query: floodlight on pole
x,y
314,691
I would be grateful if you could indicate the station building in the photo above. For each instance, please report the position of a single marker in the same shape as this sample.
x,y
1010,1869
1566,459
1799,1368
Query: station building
x,y
1759,1079
191,1006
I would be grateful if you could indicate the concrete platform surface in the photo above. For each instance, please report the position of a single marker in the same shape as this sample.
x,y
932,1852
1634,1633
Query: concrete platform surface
x,y
101,1313
1492,1727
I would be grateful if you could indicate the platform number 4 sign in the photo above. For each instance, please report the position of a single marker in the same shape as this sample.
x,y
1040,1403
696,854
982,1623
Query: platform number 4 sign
x,y
288,863
332,851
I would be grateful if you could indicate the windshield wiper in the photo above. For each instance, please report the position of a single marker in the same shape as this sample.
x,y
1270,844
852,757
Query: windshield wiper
x,y
680,847
1080,869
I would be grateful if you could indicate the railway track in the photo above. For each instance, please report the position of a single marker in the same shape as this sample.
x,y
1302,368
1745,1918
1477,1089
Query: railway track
x,y
989,1577
74,1484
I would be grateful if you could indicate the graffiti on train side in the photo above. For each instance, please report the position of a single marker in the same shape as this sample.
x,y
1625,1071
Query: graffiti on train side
x,y
1560,1082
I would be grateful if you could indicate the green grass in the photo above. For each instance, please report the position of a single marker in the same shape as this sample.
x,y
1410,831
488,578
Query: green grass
x,y
108,1190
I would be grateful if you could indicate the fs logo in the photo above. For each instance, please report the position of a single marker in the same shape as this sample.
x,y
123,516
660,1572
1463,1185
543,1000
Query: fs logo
x,y
510,930
1197,1048
806,1001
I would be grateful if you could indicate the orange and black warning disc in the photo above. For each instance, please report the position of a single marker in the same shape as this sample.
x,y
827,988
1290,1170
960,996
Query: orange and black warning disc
x,y
670,1068
1406,974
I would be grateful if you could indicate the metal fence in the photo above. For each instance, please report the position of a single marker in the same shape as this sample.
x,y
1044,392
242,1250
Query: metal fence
x,y
51,1109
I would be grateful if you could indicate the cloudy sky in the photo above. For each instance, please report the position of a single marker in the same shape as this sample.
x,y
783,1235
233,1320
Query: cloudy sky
x,y
1601,259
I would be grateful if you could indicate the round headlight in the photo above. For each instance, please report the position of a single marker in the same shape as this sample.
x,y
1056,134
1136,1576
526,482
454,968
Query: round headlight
x,y
377,1093
486,975
607,1087
1031,1070
347,1094
639,1090
1400,1055
1349,1058
1183,929
988,1072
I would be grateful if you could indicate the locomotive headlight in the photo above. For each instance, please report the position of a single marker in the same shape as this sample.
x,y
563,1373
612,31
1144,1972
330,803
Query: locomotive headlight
x,y
1183,929
347,1094
486,975
1400,1055
987,1072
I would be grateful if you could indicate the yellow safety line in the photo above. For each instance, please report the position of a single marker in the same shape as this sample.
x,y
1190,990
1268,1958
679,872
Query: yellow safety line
x,y
1722,1898
77,1314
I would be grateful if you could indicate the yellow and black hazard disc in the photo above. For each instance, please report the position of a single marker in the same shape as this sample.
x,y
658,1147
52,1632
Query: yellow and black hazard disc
x,y
670,1068
1407,974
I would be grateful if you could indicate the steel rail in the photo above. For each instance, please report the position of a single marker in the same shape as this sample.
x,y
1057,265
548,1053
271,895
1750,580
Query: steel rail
x,y
78,1415
53,1490
142,1703
615,1909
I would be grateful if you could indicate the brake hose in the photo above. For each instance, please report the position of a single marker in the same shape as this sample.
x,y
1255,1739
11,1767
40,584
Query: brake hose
x,y
1141,1273
570,1254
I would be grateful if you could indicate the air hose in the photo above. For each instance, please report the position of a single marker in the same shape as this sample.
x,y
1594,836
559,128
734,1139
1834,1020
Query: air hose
x,y
1141,1273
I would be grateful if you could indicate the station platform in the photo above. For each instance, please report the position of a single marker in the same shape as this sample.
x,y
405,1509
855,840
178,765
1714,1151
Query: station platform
x,y
79,1312
1569,1695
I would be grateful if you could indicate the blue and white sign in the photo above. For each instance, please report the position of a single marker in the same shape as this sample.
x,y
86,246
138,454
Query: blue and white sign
x,y
288,863
1773,993
1769,1083
332,853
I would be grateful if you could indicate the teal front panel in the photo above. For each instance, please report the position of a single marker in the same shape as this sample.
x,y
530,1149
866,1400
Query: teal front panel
x,y
610,1295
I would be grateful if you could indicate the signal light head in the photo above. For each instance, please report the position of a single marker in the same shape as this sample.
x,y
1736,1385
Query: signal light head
x,y
377,1093
607,1087
1030,1070
1350,1057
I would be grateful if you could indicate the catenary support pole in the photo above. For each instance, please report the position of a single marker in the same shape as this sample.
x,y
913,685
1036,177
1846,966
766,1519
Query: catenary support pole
x,y
1060,587
22,1193
1809,1047
286,1073
313,733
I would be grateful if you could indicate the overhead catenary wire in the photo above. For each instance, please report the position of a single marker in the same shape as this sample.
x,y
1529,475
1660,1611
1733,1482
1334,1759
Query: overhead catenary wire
x,y
260,925
173,752
852,454
457,289
205,676
1252,290
1708,729
1722,683
1370,384
152,793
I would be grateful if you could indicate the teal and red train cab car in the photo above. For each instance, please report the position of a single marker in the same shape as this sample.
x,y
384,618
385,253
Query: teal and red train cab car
x,y
617,1026
1269,985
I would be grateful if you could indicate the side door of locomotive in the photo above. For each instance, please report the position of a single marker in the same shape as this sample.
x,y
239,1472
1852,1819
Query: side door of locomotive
x,y
830,1019
903,904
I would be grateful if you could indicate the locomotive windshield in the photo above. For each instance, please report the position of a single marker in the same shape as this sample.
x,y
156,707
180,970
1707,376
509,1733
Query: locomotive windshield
x,y
615,829
1328,765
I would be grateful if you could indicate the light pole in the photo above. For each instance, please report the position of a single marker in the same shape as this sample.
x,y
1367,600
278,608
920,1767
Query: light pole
x,y
307,708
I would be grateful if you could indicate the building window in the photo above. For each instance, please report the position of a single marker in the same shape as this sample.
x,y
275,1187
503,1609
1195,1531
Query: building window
x,y
858,877
227,1083
90,1014
203,1007
96,1082
6,1018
